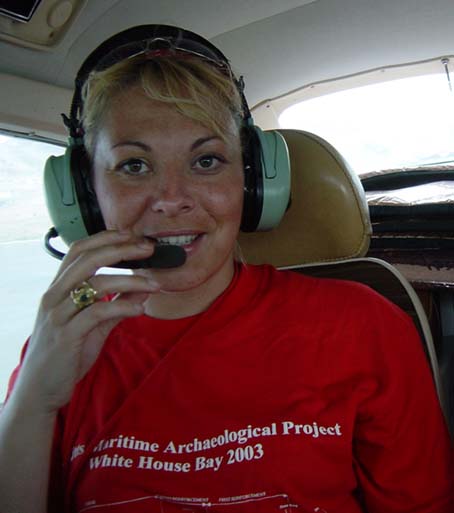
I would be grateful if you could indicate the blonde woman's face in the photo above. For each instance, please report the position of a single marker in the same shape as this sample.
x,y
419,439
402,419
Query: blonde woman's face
x,y
168,178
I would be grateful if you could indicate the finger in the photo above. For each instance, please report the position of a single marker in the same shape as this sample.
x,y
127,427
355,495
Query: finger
x,y
134,289
107,284
90,346
93,241
91,260
95,315
85,265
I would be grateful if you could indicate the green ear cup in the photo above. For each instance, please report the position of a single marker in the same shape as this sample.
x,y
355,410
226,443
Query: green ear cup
x,y
276,178
61,198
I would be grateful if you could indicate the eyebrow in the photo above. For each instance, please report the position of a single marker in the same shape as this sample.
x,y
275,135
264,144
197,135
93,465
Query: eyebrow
x,y
145,147
204,140
139,144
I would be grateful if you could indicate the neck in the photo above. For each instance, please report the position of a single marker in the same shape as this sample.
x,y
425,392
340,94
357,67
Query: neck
x,y
178,304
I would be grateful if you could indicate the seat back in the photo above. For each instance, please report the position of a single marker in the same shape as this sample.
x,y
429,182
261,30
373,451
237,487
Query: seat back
x,y
328,218
326,232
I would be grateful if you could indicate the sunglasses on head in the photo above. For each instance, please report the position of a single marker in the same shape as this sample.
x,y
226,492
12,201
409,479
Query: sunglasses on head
x,y
162,47
150,41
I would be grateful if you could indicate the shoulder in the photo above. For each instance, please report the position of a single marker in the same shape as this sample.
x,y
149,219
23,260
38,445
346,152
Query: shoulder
x,y
342,306
334,293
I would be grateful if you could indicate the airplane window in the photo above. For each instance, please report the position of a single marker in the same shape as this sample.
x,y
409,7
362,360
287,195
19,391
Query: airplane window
x,y
27,269
390,125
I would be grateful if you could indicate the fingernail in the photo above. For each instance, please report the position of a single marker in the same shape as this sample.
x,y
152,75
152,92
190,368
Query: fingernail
x,y
153,285
145,244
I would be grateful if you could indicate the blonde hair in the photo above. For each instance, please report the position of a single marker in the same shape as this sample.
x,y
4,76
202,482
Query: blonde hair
x,y
196,88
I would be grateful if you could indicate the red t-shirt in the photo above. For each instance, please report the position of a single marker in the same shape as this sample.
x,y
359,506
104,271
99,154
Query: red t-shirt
x,y
288,393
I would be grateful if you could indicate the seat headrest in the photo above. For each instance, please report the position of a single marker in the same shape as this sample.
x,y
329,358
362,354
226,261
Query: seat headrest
x,y
328,219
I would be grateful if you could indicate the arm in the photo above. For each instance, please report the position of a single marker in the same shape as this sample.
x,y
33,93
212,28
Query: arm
x,y
25,448
64,345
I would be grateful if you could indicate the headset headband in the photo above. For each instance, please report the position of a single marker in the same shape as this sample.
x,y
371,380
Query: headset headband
x,y
152,40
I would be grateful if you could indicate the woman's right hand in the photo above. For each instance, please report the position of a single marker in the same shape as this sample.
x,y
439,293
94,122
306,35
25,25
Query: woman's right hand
x,y
66,340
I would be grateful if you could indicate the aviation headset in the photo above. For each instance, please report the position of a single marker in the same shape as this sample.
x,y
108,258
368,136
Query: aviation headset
x,y
70,198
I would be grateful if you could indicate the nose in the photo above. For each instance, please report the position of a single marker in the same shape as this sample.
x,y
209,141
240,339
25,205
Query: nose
x,y
171,194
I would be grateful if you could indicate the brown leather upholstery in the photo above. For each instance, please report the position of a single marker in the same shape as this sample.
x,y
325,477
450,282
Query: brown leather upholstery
x,y
328,219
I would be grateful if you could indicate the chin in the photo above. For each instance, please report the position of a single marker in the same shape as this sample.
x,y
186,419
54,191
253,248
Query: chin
x,y
189,277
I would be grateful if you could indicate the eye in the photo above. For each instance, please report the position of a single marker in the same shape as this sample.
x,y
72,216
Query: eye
x,y
133,167
209,162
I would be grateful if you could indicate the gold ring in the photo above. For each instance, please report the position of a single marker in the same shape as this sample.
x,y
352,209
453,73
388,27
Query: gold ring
x,y
84,295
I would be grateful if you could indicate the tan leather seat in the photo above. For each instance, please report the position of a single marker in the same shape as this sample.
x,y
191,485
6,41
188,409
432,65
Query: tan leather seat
x,y
326,232
328,219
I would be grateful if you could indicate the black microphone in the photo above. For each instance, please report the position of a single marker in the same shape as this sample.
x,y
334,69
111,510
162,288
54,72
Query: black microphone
x,y
164,256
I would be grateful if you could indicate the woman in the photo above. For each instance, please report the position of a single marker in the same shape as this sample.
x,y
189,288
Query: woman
x,y
207,386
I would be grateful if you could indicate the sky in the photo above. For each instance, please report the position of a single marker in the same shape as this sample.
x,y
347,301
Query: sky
x,y
403,123
22,206
26,268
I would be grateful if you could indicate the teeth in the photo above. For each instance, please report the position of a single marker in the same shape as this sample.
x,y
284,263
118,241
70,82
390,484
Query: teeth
x,y
176,240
